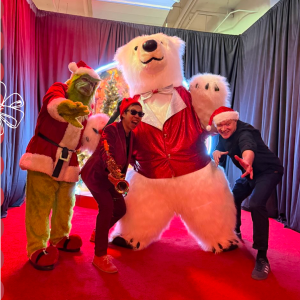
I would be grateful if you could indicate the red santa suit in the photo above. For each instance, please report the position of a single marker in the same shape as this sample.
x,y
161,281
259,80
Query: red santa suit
x,y
41,155
44,191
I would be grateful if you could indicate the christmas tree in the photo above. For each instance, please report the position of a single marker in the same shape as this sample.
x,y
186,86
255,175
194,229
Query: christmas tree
x,y
110,103
111,96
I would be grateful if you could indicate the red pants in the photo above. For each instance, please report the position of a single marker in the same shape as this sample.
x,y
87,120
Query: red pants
x,y
112,208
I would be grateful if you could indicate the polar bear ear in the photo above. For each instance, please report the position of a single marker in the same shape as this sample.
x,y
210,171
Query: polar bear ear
x,y
118,55
179,43
122,55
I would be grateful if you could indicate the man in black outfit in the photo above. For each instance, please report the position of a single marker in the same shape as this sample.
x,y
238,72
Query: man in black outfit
x,y
262,171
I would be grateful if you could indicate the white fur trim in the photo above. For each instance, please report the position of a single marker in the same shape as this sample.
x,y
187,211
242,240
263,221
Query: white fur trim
x,y
88,71
68,173
44,164
90,138
227,115
72,67
36,162
203,199
208,128
71,137
52,109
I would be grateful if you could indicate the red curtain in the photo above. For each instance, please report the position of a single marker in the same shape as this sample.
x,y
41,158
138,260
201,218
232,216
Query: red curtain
x,y
18,57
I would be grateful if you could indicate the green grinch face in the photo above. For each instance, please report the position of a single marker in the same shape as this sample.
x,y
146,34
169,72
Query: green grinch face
x,y
81,88
85,85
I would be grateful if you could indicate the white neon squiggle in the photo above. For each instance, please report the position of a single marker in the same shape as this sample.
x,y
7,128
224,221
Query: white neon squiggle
x,y
16,105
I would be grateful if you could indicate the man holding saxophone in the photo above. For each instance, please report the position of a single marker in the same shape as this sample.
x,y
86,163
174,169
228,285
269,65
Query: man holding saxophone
x,y
104,175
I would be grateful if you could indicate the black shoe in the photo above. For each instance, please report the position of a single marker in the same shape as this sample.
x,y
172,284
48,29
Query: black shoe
x,y
261,269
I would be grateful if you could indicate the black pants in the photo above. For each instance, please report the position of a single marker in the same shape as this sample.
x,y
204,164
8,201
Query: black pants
x,y
112,208
259,189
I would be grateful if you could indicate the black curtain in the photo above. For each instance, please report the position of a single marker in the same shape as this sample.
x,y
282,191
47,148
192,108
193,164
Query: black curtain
x,y
268,96
64,38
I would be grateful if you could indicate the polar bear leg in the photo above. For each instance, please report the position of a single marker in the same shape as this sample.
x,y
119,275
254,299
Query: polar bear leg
x,y
147,212
209,211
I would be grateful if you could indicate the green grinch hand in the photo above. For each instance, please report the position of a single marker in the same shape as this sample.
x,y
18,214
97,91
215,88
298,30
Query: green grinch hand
x,y
70,111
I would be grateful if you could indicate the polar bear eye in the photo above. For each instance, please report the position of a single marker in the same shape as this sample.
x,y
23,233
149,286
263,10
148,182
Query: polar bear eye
x,y
135,48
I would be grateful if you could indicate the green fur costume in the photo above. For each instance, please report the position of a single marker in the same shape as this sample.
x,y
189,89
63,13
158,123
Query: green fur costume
x,y
52,170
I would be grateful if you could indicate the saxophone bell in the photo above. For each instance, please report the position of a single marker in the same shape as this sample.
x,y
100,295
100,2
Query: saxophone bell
x,y
121,185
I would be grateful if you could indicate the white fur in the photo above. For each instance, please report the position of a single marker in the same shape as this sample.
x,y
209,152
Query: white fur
x,y
202,198
72,67
227,115
90,139
156,74
36,162
44,164
82,70
52,109
206,101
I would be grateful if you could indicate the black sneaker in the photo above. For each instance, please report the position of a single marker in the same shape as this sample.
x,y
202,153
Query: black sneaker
x,y
261,269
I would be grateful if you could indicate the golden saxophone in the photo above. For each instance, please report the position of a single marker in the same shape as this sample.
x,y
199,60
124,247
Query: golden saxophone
x,y
115,176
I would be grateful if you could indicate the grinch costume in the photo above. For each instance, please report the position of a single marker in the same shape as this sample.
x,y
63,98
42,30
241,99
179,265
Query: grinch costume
x,y
52,166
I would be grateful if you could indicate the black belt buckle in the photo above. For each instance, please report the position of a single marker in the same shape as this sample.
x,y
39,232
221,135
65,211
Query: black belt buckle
x,y
65,155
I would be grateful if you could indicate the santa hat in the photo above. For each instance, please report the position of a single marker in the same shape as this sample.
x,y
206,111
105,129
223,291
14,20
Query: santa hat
x,y
221,114
126,102
82,68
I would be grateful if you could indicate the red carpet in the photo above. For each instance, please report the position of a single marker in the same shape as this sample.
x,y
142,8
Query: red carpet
x,y
174,268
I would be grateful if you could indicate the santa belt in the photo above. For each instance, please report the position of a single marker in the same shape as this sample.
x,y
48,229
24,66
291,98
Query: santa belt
x,y
64,156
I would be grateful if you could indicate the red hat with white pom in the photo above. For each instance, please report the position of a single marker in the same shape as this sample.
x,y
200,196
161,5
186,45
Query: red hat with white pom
x,y
221,114
82,68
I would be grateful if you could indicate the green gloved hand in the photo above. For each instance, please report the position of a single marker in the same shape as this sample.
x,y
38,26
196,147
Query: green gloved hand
x,y
70,111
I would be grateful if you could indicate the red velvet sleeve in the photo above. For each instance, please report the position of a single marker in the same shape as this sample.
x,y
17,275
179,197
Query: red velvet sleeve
x,y
109,134
57,90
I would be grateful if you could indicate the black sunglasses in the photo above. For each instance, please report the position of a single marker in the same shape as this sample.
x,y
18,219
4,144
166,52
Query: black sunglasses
x,y
134,112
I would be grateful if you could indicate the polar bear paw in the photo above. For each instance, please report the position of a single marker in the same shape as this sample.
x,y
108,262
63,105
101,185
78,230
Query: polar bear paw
x,y
225,247
122,242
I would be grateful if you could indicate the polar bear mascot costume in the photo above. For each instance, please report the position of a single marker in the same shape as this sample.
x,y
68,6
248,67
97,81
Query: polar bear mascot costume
x,y
173,174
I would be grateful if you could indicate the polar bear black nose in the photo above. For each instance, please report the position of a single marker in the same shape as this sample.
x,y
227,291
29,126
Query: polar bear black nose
x,y
150,46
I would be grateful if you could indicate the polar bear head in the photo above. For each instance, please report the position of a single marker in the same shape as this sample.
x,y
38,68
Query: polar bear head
x,y
151,62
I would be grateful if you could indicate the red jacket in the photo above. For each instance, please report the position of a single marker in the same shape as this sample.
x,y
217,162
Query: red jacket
x,y
41,155
94,173
176,149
